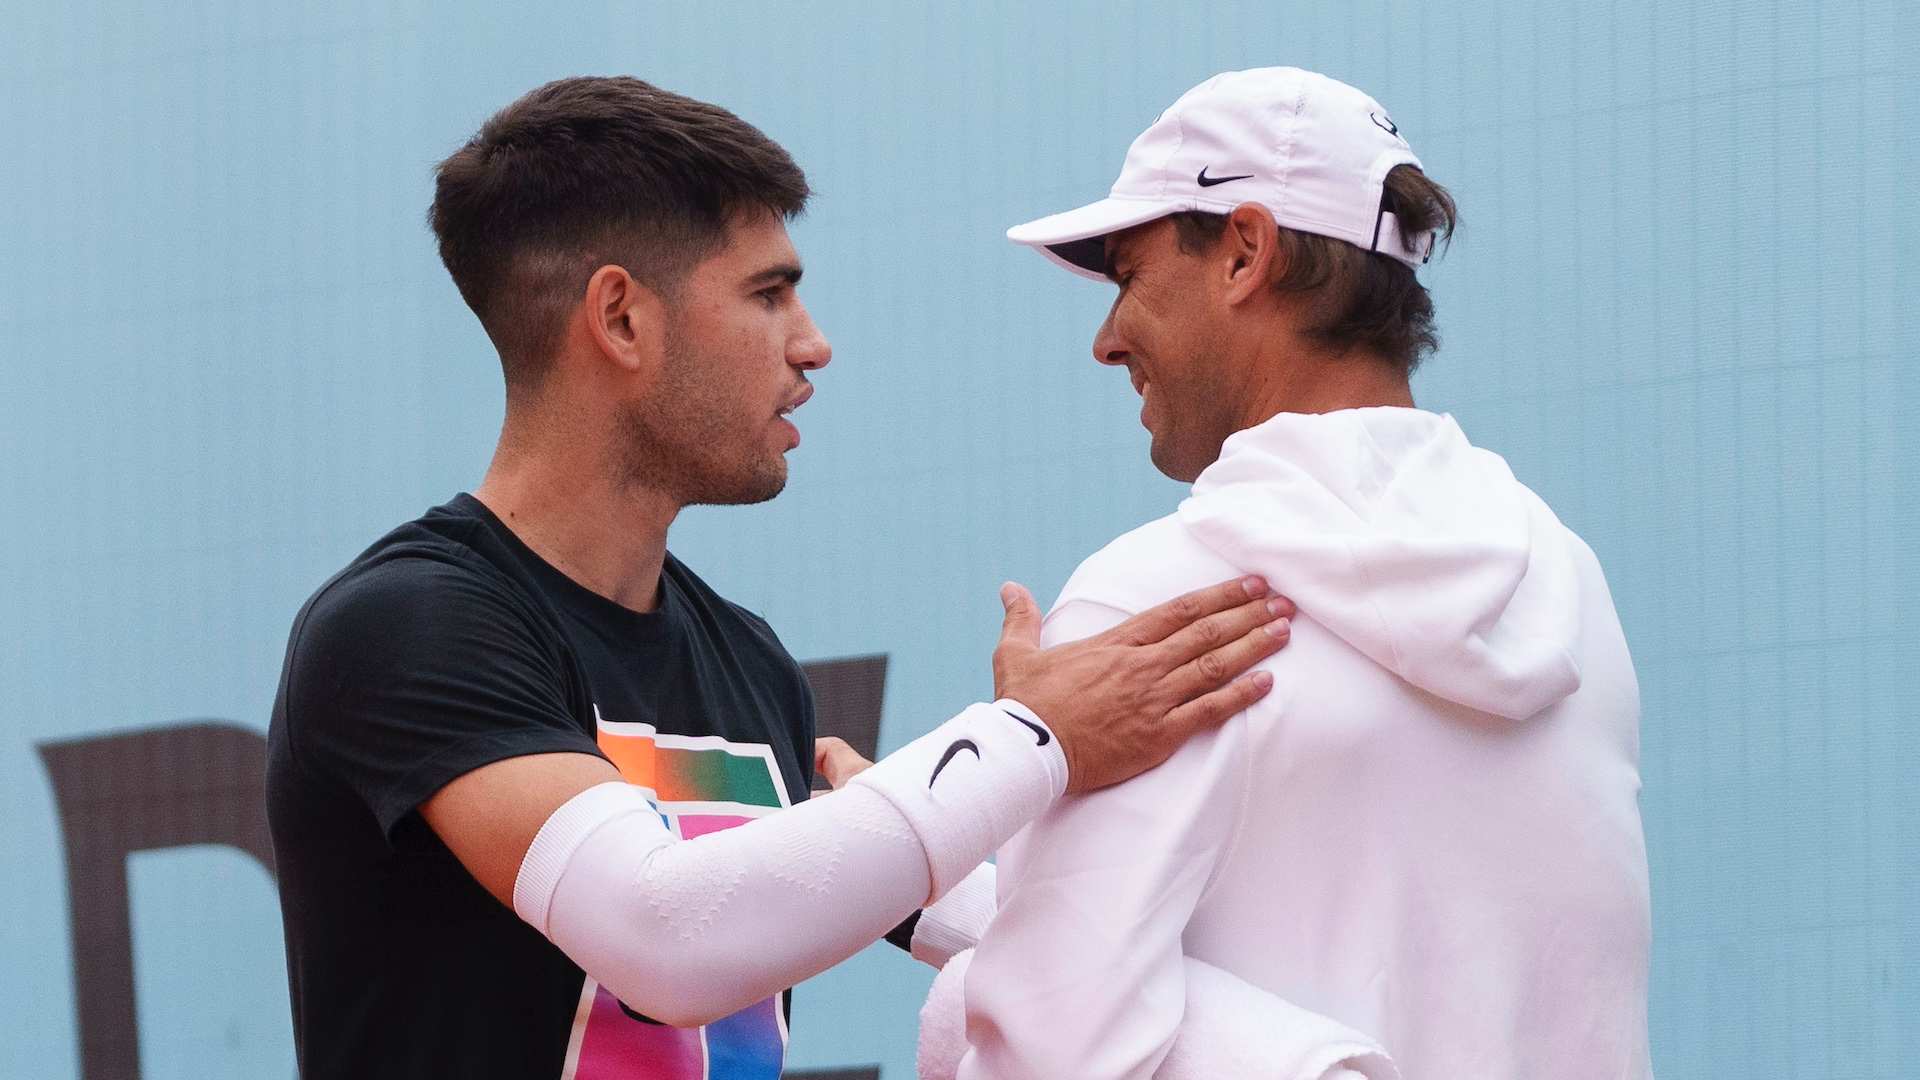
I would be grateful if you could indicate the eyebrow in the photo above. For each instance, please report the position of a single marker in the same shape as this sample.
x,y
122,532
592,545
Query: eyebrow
x,y
1111,267
785,272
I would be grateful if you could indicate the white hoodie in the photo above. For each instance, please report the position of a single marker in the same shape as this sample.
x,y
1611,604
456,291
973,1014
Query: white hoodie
x,y
1428,831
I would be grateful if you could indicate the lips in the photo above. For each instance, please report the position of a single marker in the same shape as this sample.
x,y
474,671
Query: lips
x,y
806,392
1140,382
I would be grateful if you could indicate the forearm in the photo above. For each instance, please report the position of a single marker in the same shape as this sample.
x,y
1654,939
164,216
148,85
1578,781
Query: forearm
x,y
760,907
752,910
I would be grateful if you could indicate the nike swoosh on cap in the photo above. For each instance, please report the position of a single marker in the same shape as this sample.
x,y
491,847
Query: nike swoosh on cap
x,y
1209,181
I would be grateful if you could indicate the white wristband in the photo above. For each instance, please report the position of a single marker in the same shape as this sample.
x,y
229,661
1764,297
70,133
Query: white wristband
x,y
969,784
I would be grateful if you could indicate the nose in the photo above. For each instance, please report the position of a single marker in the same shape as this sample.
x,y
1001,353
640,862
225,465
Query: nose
x,y
808,350
1108,346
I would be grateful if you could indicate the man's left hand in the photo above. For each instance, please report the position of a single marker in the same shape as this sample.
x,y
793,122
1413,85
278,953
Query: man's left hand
x,y
836,761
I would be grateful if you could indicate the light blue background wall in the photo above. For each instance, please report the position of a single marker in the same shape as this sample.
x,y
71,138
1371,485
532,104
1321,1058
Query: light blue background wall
x,y
1679,307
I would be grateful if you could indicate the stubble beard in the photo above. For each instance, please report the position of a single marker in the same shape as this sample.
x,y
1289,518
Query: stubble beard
x,y
679,440
1191,434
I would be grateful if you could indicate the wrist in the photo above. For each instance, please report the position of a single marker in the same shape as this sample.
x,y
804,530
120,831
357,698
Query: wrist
x,y
969,784
1052,748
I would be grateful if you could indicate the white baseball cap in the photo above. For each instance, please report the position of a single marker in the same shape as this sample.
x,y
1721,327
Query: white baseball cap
x,y
1312,150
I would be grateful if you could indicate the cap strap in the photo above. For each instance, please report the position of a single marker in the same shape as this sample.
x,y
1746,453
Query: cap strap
x,y
1388,240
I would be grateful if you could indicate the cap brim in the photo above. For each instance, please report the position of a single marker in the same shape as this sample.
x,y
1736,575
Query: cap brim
x,y
1076,239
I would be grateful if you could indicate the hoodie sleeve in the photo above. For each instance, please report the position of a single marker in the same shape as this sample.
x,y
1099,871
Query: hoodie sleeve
x,y
1081,972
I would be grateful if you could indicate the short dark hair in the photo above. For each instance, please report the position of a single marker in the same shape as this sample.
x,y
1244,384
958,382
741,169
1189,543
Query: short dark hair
x,y
1356,299
586,172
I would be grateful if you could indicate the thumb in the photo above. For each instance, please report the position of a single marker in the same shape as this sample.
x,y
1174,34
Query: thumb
x,y
1022,623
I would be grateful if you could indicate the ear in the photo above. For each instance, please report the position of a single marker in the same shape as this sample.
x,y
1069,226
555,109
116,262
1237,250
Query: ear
x,y
1248,250
625,320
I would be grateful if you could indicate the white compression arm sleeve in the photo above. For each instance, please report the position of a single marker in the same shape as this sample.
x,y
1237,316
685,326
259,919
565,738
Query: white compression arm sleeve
x,y
758,908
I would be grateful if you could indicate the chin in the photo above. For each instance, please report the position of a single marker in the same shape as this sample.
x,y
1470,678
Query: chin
x,y
1173,464
765,490
755,485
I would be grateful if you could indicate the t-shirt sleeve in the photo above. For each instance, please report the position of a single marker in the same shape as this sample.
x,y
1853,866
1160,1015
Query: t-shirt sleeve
x,y
408,673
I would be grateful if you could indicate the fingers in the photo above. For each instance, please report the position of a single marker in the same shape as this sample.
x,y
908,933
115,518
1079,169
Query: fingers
x,y
1022,623
1215,630
1159,623
824,747
1212,669
837,762
1213,709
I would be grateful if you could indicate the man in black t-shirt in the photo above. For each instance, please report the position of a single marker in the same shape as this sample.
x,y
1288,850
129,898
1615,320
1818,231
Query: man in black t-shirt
x,y
538,794
383,703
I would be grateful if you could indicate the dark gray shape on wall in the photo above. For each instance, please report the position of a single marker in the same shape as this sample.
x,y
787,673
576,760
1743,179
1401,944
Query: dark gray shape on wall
x,y
199,782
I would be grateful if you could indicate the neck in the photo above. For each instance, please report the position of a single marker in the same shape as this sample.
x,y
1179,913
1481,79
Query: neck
x,y
1324,384
567,502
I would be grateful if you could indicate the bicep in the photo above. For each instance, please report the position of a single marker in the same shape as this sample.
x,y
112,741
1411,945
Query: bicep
x,y
488,817
415,673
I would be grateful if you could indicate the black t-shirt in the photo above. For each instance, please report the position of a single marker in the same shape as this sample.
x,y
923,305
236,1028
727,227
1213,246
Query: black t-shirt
x,y
444,647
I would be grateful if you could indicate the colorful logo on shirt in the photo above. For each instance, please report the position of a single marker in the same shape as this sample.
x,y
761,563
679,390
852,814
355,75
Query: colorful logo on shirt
x,y
701,784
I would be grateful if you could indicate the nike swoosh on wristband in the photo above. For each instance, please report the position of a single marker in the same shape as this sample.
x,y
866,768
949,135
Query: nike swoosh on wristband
x,y
1039,732
1209,181
958,745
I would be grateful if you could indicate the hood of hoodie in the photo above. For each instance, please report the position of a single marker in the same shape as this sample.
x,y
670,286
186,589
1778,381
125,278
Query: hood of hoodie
x,y
1390,529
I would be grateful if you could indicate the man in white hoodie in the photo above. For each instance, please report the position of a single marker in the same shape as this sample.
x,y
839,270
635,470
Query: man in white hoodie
x,y
1429,830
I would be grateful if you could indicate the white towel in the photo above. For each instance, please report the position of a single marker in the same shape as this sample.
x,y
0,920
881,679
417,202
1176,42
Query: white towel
x,y
1232,1031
